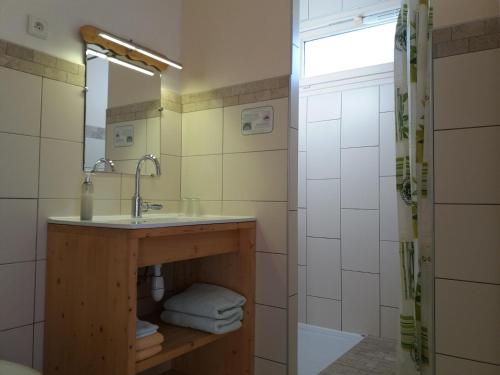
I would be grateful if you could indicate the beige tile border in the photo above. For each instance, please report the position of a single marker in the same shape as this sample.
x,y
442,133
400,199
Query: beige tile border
x,y
245,93
465,38
28,60
135,111
31,61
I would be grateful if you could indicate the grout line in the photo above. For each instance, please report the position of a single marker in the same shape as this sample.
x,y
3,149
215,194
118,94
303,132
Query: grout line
x,y
466,128
464,204
274,307
466,281
20,262
271,360
467,359
325,238
327,298
365,272
16,327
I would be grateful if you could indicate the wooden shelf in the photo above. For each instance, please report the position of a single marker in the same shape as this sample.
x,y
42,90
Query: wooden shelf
x,y
178,341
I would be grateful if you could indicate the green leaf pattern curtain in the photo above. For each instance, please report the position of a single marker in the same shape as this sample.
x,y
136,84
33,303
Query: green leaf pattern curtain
x,y
413,65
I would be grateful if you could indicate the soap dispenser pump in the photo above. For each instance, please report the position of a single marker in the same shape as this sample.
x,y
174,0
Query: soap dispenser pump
x,y
87,198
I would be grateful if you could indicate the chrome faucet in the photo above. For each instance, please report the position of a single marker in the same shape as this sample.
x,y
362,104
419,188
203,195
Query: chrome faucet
x,y
107,163
138,206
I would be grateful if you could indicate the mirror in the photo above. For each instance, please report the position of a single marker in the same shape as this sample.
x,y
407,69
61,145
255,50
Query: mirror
x,y
122,111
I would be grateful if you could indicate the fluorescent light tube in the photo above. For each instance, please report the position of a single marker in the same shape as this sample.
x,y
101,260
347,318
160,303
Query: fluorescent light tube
x,y
95,53
159,58
119,62
140,50
118,41
131,66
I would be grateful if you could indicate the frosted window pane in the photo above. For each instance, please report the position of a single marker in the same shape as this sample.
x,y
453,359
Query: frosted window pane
x,y
351,50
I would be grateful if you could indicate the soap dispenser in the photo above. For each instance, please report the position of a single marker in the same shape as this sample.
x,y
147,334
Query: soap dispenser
x,y
87,198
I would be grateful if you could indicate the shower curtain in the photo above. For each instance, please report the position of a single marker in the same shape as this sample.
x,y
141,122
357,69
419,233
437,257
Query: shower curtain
x,y
412,66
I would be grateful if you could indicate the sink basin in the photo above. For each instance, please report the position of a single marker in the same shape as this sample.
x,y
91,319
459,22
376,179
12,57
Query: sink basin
x,y
148,221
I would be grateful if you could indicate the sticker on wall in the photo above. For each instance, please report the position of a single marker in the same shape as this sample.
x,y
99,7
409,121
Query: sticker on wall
x,y
123,136
257,120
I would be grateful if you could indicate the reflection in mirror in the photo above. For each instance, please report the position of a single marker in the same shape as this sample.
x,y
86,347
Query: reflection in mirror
x,y
122,111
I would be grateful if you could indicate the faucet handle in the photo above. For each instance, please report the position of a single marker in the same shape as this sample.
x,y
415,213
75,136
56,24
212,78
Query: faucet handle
x,y
146,206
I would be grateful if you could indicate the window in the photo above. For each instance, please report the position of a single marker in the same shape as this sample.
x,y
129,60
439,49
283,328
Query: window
x,y
351,50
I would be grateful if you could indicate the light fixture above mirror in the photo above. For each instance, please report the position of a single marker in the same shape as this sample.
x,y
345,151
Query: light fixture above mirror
x,y
124,48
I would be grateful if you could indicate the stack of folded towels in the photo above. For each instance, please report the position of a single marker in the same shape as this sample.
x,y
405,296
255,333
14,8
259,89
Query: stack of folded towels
x,y
205,307
147,340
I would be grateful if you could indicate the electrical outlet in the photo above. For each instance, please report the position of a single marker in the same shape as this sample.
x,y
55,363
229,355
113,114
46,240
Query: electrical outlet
x,y
37,27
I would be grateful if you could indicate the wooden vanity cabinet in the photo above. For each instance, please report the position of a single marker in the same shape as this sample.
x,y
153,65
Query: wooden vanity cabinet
x,y
91,297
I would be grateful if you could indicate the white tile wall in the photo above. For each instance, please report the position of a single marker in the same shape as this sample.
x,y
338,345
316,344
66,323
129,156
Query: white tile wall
x,y
360,303
251,182
201,177
271,276
388,209
202,132
461,228
369,208
360,127
323,268
360,240
323,208
324,107
62,111
302,232
324,312
41,268
17,283
16,345
19,176
390,278
293,253
302,293
265,367
271,333
17,230
360,178
20,101
467,322
387,98
478,104
171,133
38,346
303,124
60,177
387,144
467,152
447,365
271,222
302,185
323,150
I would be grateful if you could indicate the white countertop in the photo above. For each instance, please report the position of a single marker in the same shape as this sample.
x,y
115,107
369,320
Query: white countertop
x,y
147,221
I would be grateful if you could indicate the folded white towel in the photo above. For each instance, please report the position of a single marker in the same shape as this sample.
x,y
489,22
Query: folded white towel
x,y
216,326
206,300
143,329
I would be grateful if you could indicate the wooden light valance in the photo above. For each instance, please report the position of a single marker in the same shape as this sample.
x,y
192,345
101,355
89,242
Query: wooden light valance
x,y
91,35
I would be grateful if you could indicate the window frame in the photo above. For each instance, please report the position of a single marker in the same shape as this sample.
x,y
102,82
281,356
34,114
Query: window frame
x,y
336,28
